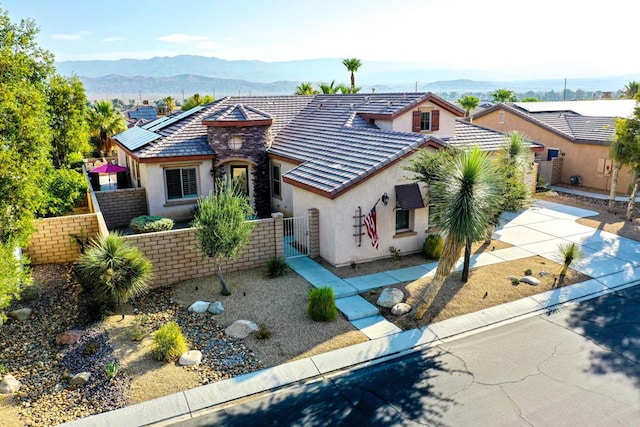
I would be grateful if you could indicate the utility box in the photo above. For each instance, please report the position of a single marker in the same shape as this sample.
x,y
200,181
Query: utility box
x,y
576,180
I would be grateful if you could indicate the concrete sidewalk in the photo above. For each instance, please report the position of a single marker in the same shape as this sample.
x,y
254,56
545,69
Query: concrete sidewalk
x,y
611,261
578,192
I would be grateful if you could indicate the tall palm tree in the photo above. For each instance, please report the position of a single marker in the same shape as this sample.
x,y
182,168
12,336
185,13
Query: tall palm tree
x,y
631,89
621,152
305,88
469,102
352,64
170,102
104,122
464,194
503,95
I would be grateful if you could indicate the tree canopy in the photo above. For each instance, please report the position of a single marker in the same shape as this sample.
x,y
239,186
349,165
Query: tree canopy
x,y
469,102
503,95
352,65
195,100
105,121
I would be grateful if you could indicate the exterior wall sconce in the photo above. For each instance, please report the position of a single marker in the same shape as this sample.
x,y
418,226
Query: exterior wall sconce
x,y
385,199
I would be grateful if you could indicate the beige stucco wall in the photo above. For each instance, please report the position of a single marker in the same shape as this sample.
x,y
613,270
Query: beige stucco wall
x,y
152,178
337,243
404,122
283,204
580,159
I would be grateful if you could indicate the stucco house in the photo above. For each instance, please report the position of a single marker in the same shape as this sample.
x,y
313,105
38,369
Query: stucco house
x,y
339,154
576,136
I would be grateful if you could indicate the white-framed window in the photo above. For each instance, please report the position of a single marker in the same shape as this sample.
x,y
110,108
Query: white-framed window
x,y
276,180
181,183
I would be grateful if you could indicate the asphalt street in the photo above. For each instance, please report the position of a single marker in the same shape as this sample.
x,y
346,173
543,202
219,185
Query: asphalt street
x,y
578,366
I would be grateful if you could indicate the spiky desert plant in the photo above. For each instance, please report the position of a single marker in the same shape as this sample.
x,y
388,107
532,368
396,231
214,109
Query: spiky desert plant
x,y
569,252
113,271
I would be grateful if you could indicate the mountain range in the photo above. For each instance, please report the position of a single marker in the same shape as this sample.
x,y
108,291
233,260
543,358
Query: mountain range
x,y
181,76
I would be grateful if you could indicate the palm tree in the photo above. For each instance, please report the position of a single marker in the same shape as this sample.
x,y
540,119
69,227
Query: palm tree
x,y
329,89
621,152
104,122
344,89
631,89
509,168
305,88
170,102
464,193
352,64
469,102
503,95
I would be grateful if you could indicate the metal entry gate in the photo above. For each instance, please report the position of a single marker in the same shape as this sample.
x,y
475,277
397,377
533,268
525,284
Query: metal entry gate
x,y
296,236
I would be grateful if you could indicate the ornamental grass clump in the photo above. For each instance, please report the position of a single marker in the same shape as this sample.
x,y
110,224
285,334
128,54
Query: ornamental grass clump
x,y
169,342
322,305
276,267
569,252
113,271
150,224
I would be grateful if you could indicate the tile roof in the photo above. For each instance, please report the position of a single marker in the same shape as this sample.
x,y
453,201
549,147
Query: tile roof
x,y
596,130
238,113
596,107
146,112
470,135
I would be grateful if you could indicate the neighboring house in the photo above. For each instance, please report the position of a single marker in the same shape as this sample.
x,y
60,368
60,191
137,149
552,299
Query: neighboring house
x,y
340,154
140,114
576,136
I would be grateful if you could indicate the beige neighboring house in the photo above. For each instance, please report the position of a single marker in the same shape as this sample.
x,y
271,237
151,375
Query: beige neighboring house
x,y
576,136
339,154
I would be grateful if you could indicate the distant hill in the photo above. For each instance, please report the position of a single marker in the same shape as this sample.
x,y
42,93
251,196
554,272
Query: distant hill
x,y
162,76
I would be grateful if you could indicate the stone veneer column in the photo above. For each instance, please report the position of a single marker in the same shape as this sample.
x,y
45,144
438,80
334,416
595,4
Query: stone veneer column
x,y
314,233
278,232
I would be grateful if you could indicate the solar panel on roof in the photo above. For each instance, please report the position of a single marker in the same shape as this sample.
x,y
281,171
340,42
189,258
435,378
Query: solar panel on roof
x,y
135,137
172,120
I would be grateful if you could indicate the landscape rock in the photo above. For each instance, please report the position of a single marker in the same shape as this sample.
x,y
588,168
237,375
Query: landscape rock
x,y
530,280
390,297
9,385
241,329
216,308
400,309
80,379
21,314
543,273
190,358
69,337
199,307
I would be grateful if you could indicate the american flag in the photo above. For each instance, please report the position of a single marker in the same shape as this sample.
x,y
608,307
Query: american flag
x,y
370,224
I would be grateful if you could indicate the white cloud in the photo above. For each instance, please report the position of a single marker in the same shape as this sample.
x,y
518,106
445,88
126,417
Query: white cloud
x,y
75,36
112,39
181,38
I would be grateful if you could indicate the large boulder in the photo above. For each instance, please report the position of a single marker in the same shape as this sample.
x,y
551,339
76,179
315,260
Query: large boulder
x,y
216,308
69,337
390,297
199,307
530,280
9,385
400,309
80,379
190,358
21,314
241,329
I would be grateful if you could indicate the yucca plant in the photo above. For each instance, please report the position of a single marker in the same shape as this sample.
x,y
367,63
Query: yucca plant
x,y
113,271
569,252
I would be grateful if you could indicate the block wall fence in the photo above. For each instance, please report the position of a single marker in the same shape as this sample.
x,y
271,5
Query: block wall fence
x,y
119,207
175,256
53,243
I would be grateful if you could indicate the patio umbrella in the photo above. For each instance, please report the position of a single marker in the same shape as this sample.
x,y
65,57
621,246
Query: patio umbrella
x,y
109,169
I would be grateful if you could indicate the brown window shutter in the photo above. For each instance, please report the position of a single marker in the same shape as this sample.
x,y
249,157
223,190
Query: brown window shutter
x,y
435,120
416,121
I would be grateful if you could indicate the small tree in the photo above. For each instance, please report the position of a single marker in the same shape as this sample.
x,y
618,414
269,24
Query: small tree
x,y
469,102
352,65
221,225
503,95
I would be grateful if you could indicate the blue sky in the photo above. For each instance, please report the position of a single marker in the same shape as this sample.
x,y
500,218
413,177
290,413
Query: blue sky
x,y
524,39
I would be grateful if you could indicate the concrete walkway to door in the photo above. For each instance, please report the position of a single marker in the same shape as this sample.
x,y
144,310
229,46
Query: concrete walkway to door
x,y
610,259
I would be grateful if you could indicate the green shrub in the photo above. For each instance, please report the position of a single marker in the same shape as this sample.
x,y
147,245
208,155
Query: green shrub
x,y
276,267
263,332
64,189
169,342
528,272
113,271
91,348
150,224
433,245
111,369
322,305
29,292
396,254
